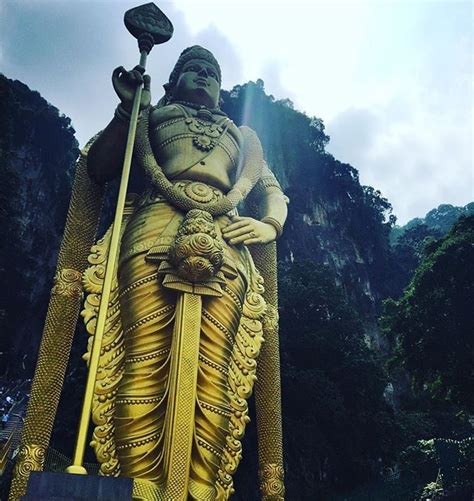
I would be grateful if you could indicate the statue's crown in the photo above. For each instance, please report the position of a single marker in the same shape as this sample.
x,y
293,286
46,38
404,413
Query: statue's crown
x,y
194,52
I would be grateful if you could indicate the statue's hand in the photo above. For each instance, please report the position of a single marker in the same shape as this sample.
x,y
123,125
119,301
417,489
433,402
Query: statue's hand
x,y
125,82
249,231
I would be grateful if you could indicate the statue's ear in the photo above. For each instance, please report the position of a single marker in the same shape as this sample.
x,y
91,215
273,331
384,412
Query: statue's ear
x,y
168,90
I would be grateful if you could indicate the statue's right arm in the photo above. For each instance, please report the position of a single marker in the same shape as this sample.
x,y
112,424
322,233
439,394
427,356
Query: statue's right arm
x,y
105,157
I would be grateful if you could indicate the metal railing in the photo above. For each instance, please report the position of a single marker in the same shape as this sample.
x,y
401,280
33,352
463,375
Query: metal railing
x,y
5,450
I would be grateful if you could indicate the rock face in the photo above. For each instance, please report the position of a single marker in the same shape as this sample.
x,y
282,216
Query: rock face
x,y
37,154
332,218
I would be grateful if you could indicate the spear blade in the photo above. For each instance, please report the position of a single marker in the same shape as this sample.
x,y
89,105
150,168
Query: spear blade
x,y
148,18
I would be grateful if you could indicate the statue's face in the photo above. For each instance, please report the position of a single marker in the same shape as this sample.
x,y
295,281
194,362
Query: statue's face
x,y
198,83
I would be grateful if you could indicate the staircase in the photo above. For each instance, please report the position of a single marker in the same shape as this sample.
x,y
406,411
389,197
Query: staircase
x,y
11,434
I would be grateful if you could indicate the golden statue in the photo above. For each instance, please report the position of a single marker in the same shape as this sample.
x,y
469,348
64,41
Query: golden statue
x,y
189,312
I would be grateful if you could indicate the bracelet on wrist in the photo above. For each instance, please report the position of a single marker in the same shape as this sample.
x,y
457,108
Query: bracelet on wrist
x,y
276,224
122,115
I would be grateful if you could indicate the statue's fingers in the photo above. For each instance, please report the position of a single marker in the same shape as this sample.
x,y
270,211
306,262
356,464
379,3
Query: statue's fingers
x,y
248,235
237,232
252,241
245,230
235,226
240,218
139,68
146,82
136,76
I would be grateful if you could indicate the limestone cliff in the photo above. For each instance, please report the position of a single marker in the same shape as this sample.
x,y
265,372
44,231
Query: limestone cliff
x,y
37,154
332,218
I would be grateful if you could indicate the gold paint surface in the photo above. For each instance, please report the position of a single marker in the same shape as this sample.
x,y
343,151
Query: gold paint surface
x,y
178,359
31,458
267,387
151,386
271,482
179,419
139,375
132,407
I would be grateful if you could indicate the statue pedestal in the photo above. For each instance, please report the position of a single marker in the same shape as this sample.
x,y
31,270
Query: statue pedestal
x,y
48,486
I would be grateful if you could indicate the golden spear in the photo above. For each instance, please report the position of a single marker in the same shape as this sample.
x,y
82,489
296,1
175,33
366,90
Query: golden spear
x,y
150,26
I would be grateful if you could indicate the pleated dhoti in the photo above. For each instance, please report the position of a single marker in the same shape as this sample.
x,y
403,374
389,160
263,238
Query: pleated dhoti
x,y
148,315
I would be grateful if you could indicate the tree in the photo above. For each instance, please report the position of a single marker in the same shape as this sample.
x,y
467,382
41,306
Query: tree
x,y
408,250
338,428
445,215
432,324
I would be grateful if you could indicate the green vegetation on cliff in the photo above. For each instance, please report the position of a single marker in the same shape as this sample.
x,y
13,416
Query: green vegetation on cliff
x,y
340,431
432,324
409,241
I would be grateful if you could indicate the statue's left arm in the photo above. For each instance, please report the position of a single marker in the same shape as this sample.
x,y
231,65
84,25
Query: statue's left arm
x,y
270,201
267,206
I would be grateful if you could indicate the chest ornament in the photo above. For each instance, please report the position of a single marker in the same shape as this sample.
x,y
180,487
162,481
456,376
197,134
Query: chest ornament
x,y
205,135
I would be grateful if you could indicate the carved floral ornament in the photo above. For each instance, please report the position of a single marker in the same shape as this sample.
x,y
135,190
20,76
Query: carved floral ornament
x,y
205,136
271,482
30,458
67,282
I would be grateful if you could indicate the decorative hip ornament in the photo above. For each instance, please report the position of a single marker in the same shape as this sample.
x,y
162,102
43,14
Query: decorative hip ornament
x,y
196,254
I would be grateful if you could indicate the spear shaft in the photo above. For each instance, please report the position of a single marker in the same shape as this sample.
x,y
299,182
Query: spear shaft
x,y
150,26
77,462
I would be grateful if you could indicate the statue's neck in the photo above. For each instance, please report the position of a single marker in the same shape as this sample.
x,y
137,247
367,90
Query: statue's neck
x,y
198,107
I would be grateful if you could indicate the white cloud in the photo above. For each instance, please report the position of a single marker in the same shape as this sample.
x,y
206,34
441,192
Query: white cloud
x,y
412,137
414,149
391,79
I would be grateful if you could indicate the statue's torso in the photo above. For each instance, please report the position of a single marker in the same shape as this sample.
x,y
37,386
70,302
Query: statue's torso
x,y
200,146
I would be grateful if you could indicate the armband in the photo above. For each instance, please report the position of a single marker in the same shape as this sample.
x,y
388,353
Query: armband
x,y
122,115
273,222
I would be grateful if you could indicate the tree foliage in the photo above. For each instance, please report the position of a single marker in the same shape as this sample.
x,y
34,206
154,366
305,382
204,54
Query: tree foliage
x,y
339,429
408,241
432,323
408,251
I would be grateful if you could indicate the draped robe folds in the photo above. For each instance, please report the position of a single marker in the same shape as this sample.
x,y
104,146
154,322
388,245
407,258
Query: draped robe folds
x,y
132,389
147,315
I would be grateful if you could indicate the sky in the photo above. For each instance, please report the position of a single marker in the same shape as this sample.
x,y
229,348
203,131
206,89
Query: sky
x,y
392,80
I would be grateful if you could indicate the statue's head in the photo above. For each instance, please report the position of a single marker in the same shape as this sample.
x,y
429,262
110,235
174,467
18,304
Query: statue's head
x,y
196,78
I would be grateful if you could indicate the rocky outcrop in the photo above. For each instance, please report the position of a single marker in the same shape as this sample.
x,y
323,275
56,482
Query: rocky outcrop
x,y
332,218
37,154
